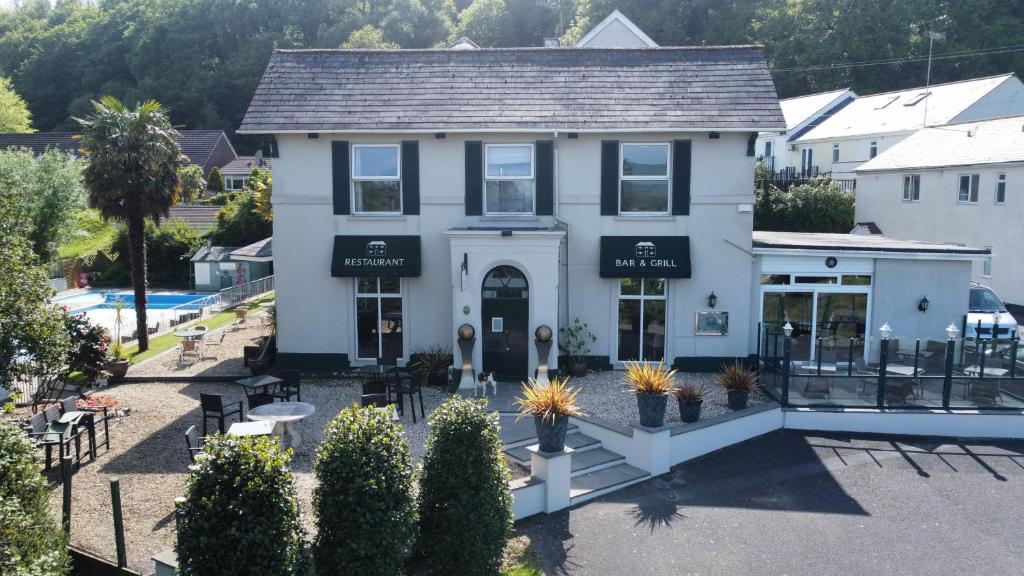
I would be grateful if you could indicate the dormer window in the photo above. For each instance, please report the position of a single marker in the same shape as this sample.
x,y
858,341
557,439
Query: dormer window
x,y
917,98
887,102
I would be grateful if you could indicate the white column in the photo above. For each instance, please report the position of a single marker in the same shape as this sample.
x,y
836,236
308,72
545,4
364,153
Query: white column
x,y
652,449
555,469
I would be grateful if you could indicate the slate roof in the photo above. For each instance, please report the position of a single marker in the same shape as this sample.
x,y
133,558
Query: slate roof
x,y
198,145
972,143
855,243
262,250
903,110
242,166
213,254
200,218
572,89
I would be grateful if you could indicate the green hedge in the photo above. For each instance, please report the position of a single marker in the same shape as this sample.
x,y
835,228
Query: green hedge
x,y
30,541
465,505
241,511
366,515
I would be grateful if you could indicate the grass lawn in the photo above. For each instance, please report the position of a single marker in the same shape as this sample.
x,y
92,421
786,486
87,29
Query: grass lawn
x,y
520,560
169,340
92,234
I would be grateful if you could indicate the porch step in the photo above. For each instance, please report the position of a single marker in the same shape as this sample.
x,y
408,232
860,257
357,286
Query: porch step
x,y
593,484
593,460
576,440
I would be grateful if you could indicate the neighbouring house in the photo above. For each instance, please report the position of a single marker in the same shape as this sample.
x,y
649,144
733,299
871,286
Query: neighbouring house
x,y
199,218
417,192
205,148
616,31
218,267
960,183
237,172
802,114
869,125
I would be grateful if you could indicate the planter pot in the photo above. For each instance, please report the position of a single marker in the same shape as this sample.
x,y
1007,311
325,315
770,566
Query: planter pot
x,y
690,412
551,435
738,399
117,369
438,378
578,369
652,409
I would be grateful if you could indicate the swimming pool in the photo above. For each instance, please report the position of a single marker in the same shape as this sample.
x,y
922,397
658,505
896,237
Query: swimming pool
x,y
154,301
163,309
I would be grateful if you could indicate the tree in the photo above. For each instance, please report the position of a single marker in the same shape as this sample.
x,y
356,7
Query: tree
x,y
192,183
30,541
167,250
132,174
260,183
14,114
33,339
818,206
240,223
368,37
45,192
215,184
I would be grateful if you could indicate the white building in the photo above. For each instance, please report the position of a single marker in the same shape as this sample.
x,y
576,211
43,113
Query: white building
x,y
802,114
616,31
870,125
962,183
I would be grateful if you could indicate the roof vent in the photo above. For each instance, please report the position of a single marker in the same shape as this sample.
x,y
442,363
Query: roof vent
x,y
464,43
551,43
887,102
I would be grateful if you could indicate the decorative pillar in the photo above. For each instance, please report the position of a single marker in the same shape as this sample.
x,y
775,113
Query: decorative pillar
x,y
467,339
543,343
555,469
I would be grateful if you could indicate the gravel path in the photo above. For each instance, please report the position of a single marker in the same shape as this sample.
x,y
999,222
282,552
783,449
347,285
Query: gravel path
x,y
605,395
149,457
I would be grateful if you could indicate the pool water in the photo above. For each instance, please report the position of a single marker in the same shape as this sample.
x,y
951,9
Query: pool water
x,y
163,309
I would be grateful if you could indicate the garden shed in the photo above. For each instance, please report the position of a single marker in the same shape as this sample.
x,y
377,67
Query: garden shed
x,y
218,267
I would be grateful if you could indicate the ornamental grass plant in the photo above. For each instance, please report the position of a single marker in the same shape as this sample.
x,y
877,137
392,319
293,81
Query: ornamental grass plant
x,y
650,378
690,393
549,401
736,377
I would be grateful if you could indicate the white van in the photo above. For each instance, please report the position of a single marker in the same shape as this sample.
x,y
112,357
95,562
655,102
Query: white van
x,y
986,307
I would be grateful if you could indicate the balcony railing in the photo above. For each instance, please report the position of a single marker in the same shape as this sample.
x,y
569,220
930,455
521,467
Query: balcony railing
x,y
235,295
943,373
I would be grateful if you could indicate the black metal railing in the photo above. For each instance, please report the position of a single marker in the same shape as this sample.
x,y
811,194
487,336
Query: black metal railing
x,y
944,373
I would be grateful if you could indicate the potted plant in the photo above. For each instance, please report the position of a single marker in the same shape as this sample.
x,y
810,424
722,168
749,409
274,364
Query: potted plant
x,y
690,398
433,362
652,384
117,364
550,405
574,343
738,381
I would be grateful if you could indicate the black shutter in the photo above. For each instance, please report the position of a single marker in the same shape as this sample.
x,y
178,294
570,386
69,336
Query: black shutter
x,y
681,178
410,177
341,177
545,164
609,177
474,178
751,142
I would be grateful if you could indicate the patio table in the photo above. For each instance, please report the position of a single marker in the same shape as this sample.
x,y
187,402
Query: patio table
x,y
260,384
257,428
284,415
902,370
191,333
989,371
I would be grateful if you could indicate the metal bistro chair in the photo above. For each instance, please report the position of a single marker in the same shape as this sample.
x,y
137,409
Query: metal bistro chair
x,y
257,399
194,443
214,342
213,407
189,348
291,386
43,436
411,384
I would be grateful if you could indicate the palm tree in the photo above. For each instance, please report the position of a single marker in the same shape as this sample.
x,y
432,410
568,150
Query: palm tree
x,y
132,174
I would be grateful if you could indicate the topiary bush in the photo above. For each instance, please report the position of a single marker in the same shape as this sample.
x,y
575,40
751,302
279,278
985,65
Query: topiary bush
x,y
465,505
241,512
366,514
30,540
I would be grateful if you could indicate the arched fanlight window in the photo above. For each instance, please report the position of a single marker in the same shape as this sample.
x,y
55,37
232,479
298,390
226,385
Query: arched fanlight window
x,y
505,282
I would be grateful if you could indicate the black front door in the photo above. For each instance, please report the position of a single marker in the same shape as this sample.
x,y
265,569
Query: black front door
x,y
506,319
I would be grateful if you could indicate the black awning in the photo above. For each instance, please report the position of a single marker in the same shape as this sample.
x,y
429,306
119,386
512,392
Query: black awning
x,y
376,256
645,256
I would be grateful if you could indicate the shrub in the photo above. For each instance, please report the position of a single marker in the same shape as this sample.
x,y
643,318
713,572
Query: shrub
x,y
691,393
650,378
88,351
433,362
818,206
366,515
465,505
30,541
165,247
736,376
241,512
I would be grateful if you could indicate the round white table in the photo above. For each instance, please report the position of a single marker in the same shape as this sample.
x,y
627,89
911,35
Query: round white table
x,y
285,415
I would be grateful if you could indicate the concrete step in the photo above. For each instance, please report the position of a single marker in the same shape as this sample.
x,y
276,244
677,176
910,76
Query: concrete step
x,y
522,433
593,484
593,460
576,440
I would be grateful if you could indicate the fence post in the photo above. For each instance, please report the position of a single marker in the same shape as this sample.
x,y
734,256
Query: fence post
x,y
785,371
947,381
115,501
65,474
1013,358
883,363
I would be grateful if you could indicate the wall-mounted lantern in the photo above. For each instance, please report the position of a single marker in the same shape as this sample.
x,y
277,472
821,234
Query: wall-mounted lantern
x,y
923,304
712,299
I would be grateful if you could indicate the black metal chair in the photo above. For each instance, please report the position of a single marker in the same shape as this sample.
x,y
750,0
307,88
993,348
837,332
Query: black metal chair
x,y
257,399
194,443
410,384
46,436
291,386
214,407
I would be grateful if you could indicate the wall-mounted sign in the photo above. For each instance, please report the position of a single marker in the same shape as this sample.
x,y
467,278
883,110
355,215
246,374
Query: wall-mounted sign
x,y
376,256
831,262
711,323
465,310
645,256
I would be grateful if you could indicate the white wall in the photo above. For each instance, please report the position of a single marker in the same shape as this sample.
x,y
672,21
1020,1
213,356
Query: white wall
x,y
317,311
615,35
938,217
852,153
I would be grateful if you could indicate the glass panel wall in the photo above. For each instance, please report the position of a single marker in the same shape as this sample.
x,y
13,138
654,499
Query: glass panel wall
x,y
641,319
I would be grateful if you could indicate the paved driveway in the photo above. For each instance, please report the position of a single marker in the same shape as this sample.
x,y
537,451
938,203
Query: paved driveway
x,y
795,504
